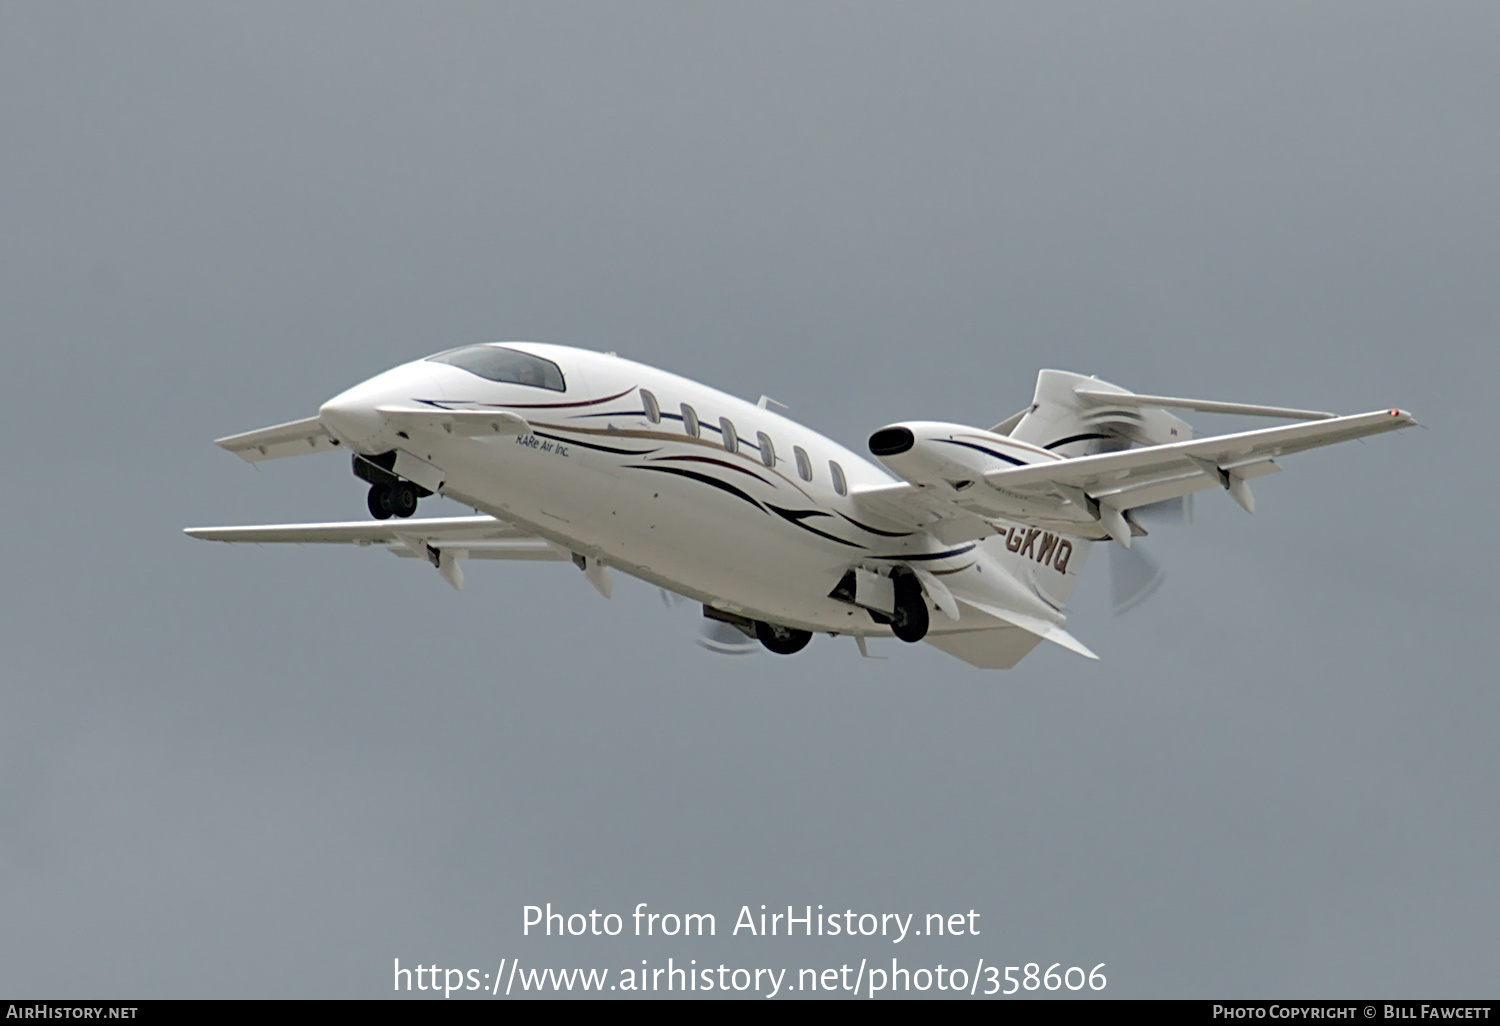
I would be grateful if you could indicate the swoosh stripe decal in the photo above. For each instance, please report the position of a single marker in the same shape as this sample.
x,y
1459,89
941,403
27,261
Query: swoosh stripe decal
x,y
450,404
563,406
797,516
876,530
1078,438
591,445
704,478
984,449
744,443
717,463
931,555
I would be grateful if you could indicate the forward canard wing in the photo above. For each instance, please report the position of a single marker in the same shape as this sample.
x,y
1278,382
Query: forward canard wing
x,y
300,437
1089,495
468,423
442,541
297,438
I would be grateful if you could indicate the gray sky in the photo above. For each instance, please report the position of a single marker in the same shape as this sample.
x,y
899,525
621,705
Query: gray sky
x,y
256,772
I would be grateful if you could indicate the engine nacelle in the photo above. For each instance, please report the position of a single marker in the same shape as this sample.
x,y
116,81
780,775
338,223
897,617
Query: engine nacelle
x,y
932,454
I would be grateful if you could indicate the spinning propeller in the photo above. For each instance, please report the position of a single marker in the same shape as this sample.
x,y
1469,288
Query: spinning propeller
x,y
714,635
1133,575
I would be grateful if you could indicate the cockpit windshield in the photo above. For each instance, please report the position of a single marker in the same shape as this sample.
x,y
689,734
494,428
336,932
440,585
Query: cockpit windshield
x,y
497,363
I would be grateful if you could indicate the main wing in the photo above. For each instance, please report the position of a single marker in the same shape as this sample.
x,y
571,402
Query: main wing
x,y
1089,495
442,541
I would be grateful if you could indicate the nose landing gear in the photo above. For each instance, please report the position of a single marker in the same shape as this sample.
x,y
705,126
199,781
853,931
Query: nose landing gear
x,y
379,501
389,496
397,500
403,499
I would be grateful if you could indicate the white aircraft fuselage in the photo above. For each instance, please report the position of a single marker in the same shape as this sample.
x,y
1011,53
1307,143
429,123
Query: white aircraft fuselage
x,y
597,476
969,539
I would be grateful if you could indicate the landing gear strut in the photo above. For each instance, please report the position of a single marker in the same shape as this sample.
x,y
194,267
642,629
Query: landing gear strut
x,y
910,621
781,640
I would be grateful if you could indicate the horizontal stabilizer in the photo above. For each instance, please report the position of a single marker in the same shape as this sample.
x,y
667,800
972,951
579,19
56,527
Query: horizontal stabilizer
x,y
1199,405
997,648
297,438
1044,629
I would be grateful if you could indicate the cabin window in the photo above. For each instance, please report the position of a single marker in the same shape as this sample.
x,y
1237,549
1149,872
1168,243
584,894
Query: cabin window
x,y
731,440
767,450
507,366
690,421
804,465
653,409
839,484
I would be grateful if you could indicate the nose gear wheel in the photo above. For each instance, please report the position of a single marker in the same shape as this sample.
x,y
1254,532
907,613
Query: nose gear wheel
x,y
379,502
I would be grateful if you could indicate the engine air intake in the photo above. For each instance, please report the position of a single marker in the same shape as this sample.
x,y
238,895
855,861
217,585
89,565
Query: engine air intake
x,y
891,441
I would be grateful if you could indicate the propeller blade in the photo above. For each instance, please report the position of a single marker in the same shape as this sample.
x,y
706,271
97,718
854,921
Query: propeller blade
x,y
718,636
670,599
715,635
1133,577
1168,511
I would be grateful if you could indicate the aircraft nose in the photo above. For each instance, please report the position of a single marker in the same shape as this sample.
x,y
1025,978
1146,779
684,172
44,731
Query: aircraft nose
x,y
350,416
353,415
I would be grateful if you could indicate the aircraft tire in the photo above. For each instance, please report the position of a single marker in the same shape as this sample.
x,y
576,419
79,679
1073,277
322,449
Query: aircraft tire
x,y
911,619
403,500
379,502
781,640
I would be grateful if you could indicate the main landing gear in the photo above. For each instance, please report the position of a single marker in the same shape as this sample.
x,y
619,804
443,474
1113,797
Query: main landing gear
x,y
908,618
781,640
397,500
910,621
